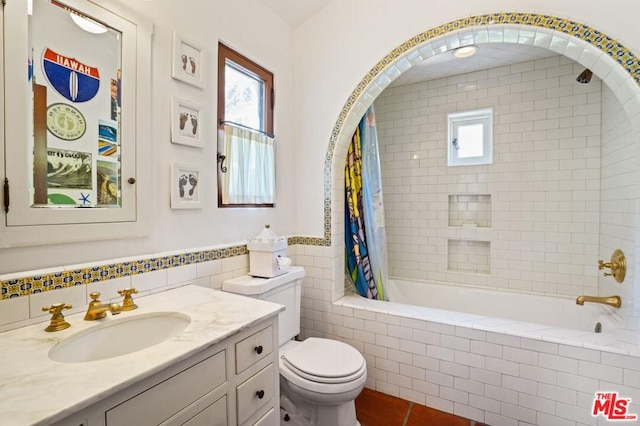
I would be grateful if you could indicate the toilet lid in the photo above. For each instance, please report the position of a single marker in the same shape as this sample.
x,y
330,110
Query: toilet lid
x,y
325,360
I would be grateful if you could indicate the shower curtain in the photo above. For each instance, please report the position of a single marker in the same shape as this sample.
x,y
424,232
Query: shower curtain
x,y
365,237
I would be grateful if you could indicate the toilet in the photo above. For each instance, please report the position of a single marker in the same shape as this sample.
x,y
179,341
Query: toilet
x,y
319,378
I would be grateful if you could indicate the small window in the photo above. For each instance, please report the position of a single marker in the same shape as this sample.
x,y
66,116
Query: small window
x,y
246,173
470,137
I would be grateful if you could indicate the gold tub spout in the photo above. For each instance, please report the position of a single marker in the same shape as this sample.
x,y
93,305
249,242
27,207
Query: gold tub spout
x,y
614,301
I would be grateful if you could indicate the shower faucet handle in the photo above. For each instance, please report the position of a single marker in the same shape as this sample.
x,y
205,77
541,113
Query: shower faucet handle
x,y
617,266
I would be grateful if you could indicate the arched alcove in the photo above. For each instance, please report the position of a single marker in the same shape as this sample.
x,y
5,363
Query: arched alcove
x,y
616,66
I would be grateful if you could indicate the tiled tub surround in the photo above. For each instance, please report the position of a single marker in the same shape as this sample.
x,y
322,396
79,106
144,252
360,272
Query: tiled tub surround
x,y
498,378
479,368
544,183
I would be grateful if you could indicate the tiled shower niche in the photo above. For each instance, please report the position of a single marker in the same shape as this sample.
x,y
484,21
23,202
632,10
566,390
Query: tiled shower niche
x,y
470,210
470,257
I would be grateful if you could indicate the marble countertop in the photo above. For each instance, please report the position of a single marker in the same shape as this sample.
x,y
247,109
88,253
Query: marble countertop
x,y
35,390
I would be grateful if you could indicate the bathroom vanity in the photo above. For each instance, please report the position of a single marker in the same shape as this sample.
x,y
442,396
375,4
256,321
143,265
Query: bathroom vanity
x,y
221,369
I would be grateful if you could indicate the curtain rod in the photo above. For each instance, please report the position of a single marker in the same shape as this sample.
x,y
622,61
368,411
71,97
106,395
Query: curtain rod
x,y
271,135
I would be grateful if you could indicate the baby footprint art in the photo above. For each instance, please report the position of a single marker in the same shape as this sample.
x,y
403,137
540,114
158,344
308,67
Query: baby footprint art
x,y
183,119
182,181
194,124
193,180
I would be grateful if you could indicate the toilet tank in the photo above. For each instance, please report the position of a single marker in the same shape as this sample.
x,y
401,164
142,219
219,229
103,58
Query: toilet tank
x,y
285,289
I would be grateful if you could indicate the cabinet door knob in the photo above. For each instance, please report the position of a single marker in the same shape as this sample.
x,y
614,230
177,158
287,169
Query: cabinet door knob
x,y
258,349
260,394
131,180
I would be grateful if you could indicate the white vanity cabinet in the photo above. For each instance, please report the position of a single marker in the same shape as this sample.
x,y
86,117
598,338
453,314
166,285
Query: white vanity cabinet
x,y
232,383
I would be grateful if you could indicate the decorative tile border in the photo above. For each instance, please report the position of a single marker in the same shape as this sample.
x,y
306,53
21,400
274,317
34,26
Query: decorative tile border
x,y
27,285
444,33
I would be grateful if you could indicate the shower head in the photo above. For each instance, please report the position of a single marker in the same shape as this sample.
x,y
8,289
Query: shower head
x,y
585,76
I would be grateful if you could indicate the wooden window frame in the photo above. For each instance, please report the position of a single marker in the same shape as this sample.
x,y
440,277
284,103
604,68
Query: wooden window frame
x,y
226,53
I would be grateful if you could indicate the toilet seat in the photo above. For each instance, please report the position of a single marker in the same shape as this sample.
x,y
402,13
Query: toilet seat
x,y
325,361
323,365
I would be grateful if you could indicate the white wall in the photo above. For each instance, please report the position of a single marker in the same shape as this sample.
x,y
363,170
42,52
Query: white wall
x,y
543,185
254,30
336,48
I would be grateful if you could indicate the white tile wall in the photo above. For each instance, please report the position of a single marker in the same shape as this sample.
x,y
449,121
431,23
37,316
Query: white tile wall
x,y
619,179
544,183
469,210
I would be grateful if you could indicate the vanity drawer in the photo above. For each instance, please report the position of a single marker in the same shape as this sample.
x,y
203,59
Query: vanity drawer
x,y
167,398
254,393
214,415
268,419
253,349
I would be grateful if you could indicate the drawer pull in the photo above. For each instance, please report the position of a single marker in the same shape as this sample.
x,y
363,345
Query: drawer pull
x,y
258,349
260,394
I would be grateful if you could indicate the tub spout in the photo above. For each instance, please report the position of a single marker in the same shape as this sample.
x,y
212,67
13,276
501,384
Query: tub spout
x,y
614,301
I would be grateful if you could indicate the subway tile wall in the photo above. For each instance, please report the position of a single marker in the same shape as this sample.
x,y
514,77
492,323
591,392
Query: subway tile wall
x,y
619,180
544,183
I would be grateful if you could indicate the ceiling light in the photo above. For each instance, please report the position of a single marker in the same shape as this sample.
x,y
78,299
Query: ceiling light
x,y
87,24
465,52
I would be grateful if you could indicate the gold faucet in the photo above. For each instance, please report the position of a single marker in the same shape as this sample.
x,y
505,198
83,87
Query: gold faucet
x,y
57,319
614,301
97,310
127,303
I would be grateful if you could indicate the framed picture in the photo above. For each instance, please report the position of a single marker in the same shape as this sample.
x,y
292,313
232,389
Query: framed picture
x,y
185,186
186,123
188,61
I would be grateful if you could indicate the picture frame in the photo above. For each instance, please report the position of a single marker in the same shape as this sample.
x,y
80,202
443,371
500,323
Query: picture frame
x,y
186,181
188,61
186,123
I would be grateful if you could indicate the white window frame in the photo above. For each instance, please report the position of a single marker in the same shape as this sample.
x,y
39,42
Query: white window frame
x,y
478,116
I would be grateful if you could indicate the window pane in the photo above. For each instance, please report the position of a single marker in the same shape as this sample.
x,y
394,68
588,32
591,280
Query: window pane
x,y
244,96
470,141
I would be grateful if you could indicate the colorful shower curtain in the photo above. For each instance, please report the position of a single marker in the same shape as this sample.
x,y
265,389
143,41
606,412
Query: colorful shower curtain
x,y
365,238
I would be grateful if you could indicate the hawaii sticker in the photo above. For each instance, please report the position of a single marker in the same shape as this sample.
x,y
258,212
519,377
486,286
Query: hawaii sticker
x,y
65,122
71,78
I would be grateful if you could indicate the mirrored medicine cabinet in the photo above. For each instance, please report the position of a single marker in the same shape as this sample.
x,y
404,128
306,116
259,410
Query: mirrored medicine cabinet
x,y
76,120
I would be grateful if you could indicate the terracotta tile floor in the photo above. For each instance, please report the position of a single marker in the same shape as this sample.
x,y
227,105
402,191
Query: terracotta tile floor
x,y
378,409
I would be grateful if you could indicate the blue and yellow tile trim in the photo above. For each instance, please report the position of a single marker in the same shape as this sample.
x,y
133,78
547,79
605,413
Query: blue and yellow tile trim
x,y
39,283
623,56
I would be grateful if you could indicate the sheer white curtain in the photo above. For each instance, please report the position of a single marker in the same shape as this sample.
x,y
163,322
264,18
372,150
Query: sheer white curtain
x,y
250,176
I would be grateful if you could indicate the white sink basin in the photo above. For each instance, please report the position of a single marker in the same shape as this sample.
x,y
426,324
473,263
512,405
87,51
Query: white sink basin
x,y
119,337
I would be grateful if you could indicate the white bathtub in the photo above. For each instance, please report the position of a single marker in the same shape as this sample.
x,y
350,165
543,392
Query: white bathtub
x,y
550,311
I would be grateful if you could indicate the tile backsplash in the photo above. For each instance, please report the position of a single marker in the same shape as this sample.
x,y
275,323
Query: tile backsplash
x,y
24,294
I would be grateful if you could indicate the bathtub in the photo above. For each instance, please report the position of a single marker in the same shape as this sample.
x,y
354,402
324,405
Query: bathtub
x,y
538,311
497,357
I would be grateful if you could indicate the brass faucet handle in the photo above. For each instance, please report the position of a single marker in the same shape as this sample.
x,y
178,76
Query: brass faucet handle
x,y
57,319
94,296
127,303
617,265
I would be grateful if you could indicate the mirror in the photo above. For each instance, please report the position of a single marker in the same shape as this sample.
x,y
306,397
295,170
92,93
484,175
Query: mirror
x,y
77,123
76,71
